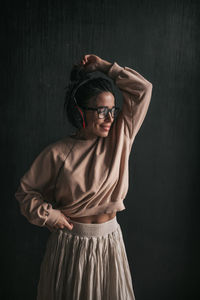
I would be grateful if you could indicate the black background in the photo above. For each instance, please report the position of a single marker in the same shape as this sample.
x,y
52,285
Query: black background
x,y
40,41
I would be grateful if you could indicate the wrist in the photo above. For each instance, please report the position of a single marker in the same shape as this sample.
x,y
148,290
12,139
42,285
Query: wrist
x,y
104,66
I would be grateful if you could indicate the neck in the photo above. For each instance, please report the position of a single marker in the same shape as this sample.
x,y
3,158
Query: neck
x,y
83,134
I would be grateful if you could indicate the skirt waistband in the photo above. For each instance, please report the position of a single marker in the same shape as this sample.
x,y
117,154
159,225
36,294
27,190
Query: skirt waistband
x,y
97,229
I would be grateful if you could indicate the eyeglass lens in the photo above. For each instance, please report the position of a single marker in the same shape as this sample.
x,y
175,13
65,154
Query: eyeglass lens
x,y
103,112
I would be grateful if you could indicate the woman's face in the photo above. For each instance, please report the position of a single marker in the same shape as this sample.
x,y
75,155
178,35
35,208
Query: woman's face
x,y
96,126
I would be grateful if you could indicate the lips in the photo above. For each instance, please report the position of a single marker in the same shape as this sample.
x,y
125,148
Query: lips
x,y
107,128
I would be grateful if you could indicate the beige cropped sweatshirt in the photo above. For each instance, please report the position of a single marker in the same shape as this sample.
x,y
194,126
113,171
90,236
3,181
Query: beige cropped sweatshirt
x,y
87,177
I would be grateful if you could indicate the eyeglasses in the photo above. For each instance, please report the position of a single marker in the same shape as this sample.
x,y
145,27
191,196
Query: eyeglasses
x,y
103,111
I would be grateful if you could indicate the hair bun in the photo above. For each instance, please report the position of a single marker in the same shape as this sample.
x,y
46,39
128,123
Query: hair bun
x,y
78,74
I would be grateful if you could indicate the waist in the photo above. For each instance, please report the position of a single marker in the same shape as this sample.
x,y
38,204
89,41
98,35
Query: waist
x,y
101,218
89,230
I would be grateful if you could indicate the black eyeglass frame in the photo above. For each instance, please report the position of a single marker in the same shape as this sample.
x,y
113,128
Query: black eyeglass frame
x,y
116,108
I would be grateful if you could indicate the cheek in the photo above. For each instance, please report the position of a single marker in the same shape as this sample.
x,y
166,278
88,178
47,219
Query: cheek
x,y
95,122
98,122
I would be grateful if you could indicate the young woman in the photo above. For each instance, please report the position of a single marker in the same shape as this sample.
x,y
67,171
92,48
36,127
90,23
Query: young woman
x,y
76,185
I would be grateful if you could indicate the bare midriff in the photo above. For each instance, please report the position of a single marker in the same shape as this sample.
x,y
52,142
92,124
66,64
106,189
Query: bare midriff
x,y
95,218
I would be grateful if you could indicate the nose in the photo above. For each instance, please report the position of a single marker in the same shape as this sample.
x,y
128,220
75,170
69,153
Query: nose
x,y
109,116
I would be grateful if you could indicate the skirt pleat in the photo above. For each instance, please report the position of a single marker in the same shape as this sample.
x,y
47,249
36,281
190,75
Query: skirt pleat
x,y
88,262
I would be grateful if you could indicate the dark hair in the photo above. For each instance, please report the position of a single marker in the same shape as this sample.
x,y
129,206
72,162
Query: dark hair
x,y
83,93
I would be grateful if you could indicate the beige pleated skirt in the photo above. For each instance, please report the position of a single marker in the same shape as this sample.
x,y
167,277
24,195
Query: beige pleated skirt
x,y
88,262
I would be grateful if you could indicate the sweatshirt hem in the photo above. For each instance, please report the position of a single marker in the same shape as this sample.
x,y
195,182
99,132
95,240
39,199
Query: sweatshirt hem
x,y
102,209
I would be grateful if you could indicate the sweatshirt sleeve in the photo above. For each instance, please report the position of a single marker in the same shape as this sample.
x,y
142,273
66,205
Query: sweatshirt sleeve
x,y
136,91
36,184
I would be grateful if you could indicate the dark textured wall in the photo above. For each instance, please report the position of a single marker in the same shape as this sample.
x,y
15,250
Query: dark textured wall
x,y
159,39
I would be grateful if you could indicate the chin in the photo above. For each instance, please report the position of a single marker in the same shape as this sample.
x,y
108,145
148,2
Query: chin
x,y
103,134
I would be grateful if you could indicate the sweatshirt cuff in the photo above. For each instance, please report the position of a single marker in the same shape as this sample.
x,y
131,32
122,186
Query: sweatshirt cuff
x,y
114,70
53,217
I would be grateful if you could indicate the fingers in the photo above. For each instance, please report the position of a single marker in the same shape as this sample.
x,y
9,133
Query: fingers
x,y
69,225
64,222
84,59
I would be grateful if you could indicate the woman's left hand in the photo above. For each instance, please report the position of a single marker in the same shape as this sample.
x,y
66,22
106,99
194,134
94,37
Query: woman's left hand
x,y
91,62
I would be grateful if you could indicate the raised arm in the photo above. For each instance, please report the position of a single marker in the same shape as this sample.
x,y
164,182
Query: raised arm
x,y
136,91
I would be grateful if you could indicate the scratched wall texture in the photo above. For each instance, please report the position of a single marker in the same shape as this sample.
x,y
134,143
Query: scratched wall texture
x,y
40,40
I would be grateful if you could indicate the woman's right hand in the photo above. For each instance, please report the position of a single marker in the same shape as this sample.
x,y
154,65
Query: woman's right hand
x,y
63,222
